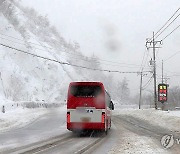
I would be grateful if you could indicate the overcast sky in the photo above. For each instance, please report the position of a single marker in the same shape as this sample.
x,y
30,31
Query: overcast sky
x,y
116,30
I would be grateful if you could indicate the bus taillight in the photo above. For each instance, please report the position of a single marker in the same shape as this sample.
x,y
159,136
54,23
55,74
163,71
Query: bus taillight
x,y
103,117
68,117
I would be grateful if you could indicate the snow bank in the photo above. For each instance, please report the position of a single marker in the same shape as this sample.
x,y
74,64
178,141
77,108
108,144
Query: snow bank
x,y
166,119
19,114
19,117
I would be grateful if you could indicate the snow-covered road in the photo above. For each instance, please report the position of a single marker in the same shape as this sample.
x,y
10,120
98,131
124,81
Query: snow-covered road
x,y
133,131
50,124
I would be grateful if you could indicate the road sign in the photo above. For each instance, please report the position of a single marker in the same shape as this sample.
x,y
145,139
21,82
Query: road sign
x,y
162,93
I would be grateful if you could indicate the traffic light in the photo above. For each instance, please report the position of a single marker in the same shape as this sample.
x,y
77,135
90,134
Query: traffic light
x,y
162,93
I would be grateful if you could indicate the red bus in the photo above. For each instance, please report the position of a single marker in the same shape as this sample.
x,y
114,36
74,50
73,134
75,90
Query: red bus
x,y
88,107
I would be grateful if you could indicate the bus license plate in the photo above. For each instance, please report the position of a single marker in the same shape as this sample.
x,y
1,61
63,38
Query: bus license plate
x,y
85,119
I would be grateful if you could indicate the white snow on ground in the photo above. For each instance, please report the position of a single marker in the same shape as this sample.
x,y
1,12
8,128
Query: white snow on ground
x,y
167,119
17,116
131,143
134,144
173,113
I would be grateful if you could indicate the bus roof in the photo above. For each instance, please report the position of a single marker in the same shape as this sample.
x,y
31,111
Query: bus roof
x,y
86,83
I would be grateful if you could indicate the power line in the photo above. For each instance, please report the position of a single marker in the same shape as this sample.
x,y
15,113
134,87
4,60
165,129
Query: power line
x,y
168,71
171,56
109,64
145,59
148,82
19,43
171,32
79,55
166,22
32,44
64,63
87,60
141,68
176,75
22,40
164,25
167,26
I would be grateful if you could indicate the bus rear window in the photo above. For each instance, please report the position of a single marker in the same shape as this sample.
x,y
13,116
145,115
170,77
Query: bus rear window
x,y
85,91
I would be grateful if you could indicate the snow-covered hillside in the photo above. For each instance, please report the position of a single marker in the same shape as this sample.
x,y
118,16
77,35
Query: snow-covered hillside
x,y
28,78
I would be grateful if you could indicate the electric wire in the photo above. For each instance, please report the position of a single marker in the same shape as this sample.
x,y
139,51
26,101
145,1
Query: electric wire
x,y
66,63
144,61
167,22
171,32
171,56
78,55
168,26
147,83
22,40
141,68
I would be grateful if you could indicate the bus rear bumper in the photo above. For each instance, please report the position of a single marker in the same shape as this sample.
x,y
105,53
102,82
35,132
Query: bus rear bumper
x,y
85,126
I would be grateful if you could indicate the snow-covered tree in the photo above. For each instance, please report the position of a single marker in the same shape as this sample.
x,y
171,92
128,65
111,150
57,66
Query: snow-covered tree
x,y
123,90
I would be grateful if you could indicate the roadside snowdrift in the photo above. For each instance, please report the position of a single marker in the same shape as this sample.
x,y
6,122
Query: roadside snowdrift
x,y
19,117
166,119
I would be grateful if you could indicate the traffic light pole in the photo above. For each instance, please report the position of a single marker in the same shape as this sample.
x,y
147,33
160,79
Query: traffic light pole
x,y
162,72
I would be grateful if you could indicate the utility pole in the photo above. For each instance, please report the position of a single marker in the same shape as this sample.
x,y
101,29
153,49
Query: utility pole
x,y
154,59
140,93
163,78
153,44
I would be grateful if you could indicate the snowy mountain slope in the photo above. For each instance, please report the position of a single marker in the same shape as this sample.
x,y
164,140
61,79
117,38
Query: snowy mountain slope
x,y
25,77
